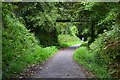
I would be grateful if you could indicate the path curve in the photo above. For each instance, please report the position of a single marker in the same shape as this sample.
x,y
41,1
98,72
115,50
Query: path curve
x,y
61,65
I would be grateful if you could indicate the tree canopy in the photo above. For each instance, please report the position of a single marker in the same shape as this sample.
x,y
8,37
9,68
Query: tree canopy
x,y
33,27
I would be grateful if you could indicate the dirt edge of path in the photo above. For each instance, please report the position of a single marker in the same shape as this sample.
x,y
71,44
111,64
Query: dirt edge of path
x,y
87,73
31,70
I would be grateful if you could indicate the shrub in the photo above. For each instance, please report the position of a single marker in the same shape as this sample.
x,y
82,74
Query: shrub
x,y
20,48
103,56
87,58
106,48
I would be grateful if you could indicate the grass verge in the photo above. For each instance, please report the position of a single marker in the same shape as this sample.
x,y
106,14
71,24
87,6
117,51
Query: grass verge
x,y
40,55
20,48
86,58
68,40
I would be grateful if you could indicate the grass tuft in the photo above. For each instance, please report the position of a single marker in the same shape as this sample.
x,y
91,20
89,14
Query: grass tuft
x,y
86,58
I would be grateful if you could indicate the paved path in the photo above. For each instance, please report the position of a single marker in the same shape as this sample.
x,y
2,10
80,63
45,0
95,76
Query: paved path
x,y
61,65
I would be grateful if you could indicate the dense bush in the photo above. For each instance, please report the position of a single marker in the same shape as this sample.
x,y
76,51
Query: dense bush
x,y
103,56
40,19
87,58
104,33
106,48
47,38
20,48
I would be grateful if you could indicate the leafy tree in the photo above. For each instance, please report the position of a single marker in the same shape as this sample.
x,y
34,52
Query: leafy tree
x,y
20,47
39,18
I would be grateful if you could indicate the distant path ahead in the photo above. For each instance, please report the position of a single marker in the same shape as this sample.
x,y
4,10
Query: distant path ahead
x,y
61,65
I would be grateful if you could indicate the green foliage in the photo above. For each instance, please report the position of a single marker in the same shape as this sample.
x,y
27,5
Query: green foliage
x,y
20,47
106,48
83,53
87,58
66,28
39,18
98,17
97,20
103,56
68,40
85,44
74,30
47,38
63,28
38,15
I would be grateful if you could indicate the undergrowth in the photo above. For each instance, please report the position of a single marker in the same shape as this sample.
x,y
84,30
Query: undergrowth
x,y
102,57
86,58
20,48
